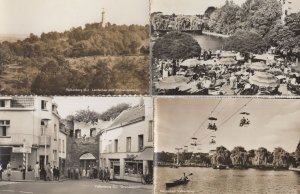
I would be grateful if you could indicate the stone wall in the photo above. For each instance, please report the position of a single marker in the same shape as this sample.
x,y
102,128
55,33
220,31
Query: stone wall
x,y
78,147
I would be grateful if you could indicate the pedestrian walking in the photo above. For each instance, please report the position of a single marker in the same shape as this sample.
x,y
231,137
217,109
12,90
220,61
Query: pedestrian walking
x,y
54,173
83,173
58,173
101,174
111,174
106,174
36,171
8,169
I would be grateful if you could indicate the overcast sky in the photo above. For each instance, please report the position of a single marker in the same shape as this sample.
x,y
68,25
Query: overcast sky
x,y
273,123
193,7
37,16
69,105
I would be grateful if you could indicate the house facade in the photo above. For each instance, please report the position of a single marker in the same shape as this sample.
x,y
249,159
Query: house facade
x,y
29,125
126,146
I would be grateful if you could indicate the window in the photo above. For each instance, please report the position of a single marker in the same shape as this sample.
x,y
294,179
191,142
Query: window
x,y
116,145
59,145
54,155
55,132
2,103
150,131
77,133
4,126
133,167
92,132
128,144
110,147
141,142
43,128
63,146
115,165
44,105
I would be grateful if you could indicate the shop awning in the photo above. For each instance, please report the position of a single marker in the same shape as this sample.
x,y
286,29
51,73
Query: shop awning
x,y
147,154
87,156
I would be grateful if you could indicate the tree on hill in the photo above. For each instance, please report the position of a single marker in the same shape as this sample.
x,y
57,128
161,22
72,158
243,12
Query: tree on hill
x,y
87,116
54,77
176,45
103,78
246,41
114,111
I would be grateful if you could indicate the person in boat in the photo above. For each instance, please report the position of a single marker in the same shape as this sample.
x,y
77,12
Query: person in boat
x,y
184,177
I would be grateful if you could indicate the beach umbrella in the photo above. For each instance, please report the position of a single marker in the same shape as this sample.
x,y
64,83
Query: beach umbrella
x,y
275,71
227,61
258,66
172,82
209,63
190,63
264,79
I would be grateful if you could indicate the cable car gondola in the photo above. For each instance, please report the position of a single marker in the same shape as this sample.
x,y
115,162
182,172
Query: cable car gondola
x,y
244,121
194,143
213,141
212,125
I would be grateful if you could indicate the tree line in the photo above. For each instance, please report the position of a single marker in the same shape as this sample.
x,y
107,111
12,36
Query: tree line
x,y
78,42
238,157
124,65
258,21
90,116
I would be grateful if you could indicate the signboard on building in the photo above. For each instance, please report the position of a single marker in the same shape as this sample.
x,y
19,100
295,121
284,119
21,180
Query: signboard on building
x,y
21,150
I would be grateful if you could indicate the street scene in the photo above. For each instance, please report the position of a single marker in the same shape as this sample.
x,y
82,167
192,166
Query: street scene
x,y
232,47
227,145
66,48
48,145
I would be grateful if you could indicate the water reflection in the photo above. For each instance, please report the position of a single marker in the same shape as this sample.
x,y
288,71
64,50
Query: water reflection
x,y
207,180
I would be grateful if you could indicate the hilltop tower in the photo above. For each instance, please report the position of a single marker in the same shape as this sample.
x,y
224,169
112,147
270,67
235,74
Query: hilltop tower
x,y
103,18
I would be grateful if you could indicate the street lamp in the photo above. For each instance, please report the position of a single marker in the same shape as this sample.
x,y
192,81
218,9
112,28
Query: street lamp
x,y
46,121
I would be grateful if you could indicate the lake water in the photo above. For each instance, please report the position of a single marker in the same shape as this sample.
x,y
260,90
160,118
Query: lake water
x,y
209,42
211,181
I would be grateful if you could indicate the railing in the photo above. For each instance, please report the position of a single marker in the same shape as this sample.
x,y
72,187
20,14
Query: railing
x,y
18,139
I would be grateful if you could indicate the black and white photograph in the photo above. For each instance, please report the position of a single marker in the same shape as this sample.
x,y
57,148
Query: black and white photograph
x,y
74,47
58,145
227,145
225,47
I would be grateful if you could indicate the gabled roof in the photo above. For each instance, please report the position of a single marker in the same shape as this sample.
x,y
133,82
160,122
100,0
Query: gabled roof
x,y
131,115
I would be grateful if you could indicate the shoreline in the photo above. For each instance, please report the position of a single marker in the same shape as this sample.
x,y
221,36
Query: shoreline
x,y
215,34
271,168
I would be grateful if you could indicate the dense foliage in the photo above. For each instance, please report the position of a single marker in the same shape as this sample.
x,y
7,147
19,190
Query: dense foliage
x,y
176,45
90,116
246,41
71,60
238,157
255,26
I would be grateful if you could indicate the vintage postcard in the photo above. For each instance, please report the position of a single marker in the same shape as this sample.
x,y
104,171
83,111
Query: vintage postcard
x,y
227,145
225,47
101,145
74,47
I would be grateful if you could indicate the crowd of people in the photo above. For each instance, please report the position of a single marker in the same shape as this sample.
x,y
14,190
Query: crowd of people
x,y
104,174
215,74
